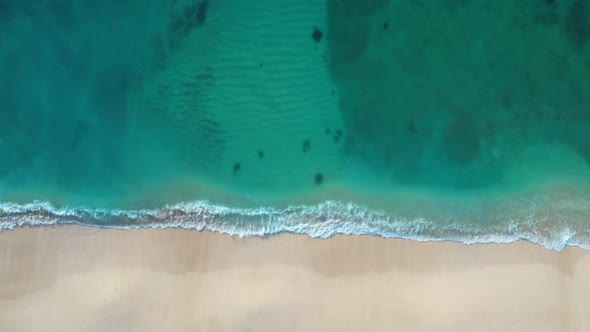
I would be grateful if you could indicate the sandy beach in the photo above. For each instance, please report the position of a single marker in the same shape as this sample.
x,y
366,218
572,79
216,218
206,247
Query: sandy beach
x,y
71,278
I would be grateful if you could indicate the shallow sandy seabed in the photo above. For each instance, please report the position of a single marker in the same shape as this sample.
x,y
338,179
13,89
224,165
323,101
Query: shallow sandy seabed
x,y
72,278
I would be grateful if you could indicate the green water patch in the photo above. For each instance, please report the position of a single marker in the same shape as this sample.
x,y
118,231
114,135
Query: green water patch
x,y
71,81
123,103
450,94
389,104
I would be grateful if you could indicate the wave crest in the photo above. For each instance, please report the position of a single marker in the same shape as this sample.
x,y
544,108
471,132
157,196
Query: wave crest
x,y
319,221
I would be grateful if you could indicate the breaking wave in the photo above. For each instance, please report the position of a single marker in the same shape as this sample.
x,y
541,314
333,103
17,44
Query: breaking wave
x,y
319,221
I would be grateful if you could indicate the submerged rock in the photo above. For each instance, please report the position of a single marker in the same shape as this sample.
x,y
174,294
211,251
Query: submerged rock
x,y
319,178
317,35
306,145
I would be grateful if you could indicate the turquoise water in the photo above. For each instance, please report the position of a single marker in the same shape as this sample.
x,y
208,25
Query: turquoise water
x,y
462,120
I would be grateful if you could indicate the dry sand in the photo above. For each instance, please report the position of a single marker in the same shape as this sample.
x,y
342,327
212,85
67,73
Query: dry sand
x,y
72,278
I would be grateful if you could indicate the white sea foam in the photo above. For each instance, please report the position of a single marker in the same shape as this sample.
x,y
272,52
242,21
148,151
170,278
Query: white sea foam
x,y
319,221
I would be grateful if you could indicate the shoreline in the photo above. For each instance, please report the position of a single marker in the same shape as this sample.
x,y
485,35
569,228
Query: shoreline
x,y
552,214
154,280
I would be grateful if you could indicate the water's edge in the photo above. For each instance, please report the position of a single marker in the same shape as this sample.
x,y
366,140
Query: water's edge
x,y
318,221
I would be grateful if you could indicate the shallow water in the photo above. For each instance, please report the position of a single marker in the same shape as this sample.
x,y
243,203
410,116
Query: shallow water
x,y
464,120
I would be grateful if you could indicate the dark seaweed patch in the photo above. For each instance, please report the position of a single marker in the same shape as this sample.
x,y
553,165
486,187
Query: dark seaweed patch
x,y
547,13
190,17
577,25
316,34
202,12
350,40
362,7
319,178
306,146
338,135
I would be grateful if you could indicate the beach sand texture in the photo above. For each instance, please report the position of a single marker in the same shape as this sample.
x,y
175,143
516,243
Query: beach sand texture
x,y
72,278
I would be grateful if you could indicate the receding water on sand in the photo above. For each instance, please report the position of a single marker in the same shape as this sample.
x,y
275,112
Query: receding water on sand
x,y
465,121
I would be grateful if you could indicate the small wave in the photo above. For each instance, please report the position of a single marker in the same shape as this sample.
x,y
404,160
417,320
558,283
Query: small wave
x,y
319,221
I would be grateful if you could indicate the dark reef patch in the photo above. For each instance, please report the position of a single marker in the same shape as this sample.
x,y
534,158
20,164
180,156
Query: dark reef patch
x,y
338,135
547,13
306,146
202,8
404,117
363,8
348,29
185,19
318,179
577,23
316,35
350,39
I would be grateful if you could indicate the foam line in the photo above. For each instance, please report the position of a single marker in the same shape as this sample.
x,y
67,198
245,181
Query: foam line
x,y
319,221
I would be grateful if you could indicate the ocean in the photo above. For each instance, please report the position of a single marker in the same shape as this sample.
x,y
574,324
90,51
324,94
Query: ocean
x,y
462,120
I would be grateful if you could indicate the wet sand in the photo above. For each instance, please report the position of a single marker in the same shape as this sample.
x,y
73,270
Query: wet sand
x,y
71,278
